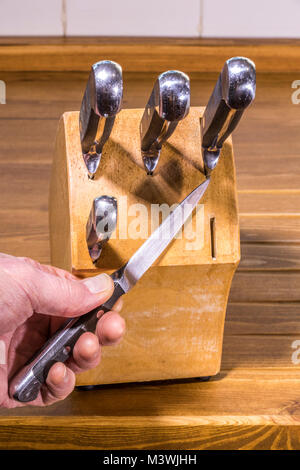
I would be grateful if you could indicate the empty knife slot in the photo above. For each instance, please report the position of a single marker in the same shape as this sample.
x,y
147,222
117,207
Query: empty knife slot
x,y
212,224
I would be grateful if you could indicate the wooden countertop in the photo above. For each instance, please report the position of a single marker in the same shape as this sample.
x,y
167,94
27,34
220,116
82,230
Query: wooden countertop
x,y
145,54
254,402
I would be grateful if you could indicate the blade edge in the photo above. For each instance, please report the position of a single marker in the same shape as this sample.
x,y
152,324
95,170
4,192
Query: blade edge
x,y
154,246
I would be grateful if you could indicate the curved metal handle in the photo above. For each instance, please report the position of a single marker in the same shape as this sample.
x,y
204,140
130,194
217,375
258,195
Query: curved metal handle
x,y
101,102
168,104
233,93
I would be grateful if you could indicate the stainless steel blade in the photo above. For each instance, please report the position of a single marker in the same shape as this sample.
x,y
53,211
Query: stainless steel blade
x,y
145,256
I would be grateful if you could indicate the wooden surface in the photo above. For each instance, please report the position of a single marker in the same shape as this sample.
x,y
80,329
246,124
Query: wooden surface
x,y
164,343
145,54
254,402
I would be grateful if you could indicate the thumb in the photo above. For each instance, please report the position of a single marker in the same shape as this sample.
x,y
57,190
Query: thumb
x,y
61,296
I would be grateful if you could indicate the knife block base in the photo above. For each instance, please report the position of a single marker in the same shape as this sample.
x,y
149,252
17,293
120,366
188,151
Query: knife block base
x,y
175,314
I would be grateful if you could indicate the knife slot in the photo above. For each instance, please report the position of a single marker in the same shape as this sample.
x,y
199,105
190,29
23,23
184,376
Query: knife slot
x,y
212,224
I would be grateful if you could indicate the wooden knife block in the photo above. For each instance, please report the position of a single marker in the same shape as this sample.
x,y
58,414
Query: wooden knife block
x,y
175,314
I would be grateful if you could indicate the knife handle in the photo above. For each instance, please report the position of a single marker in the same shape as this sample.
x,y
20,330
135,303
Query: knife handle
x,y
233,93
26,384
168,104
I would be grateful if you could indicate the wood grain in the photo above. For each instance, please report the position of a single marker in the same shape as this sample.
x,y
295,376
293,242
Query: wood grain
x,y
270,228
266,286
179,434
183,398
261,319
261,257
220,414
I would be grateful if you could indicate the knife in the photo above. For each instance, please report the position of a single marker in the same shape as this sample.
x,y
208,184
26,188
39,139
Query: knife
x,y
26,385
233,93
101,102
168,104
101,223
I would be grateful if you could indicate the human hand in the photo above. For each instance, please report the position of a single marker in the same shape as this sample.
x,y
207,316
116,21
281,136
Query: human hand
x,y
35,300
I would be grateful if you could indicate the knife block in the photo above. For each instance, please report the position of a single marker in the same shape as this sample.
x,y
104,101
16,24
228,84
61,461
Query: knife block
x,y
175,314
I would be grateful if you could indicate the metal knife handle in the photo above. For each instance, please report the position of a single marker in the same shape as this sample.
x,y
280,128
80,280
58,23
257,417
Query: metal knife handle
x,y
233,93
26,384
101,223
101,103
168,104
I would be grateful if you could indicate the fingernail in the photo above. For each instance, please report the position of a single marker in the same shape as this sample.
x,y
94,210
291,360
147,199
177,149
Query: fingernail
x,y
98,283
65,376
58,378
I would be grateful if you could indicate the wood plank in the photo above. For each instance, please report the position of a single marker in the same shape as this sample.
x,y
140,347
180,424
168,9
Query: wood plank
x,y
181,398
29,141
265,286
269,202
87,40
270,228
179,415
260,351
176,434
24,210
262,319
146,55
25,233
271,257
50,94
24,186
